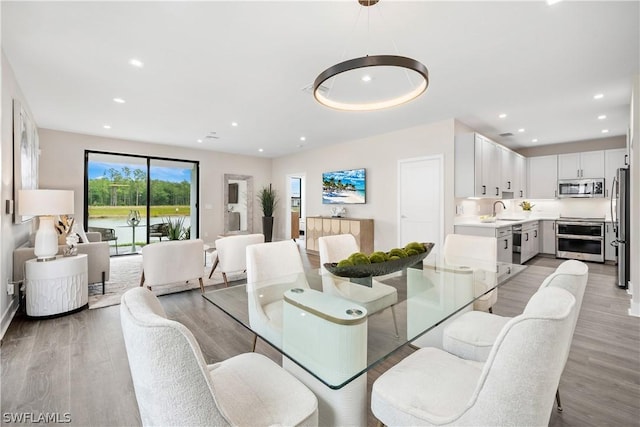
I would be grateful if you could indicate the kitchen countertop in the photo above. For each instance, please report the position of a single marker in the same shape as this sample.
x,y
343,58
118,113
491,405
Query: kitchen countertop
x,y
475,222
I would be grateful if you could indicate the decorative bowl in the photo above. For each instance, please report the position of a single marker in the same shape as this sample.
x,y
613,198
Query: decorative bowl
x,y
380,268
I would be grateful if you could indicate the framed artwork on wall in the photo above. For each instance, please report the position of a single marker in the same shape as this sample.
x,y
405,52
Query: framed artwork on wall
x,y
26,148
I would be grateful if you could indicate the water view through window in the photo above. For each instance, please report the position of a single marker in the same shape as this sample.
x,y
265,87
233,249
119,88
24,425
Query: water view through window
x,y
133,201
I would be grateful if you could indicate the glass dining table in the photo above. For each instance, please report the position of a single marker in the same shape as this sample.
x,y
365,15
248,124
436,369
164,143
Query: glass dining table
x,y
329,341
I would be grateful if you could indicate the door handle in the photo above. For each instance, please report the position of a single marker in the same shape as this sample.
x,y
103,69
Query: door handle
x,y
521,195
484,189
497,191
508,185
536,233
526,235
506,243
626,162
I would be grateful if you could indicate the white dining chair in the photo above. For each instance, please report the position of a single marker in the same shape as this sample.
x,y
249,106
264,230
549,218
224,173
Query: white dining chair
x,y
481,254
175,387
472,335
515,386
269,263
172,261
375,298
230,255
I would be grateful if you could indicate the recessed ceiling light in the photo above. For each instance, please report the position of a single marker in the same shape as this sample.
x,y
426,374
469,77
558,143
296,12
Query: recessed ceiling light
x,y
534,140
605,130
199,140
303,138
107,126
366,78
598,96
521,130
260,150
234,124
119,100
602,117
502,116
136,63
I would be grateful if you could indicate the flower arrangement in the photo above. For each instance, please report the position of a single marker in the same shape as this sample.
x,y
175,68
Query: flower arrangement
x,y
526,206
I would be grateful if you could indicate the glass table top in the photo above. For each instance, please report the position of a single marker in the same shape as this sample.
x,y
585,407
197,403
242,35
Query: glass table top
x,y
336,329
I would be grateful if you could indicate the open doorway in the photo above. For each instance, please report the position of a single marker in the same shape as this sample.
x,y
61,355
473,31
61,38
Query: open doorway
x,y
296,206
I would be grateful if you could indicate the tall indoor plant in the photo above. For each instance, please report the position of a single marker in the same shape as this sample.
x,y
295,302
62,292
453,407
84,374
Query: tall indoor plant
x,y
268,199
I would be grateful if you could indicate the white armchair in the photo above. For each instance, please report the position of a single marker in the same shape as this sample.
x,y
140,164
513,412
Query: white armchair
x,y
265,263
480,253
172,261
375,298
515,386
175,387
472,335
231,253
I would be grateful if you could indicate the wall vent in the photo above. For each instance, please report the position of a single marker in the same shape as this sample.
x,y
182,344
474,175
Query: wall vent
x,y
506,134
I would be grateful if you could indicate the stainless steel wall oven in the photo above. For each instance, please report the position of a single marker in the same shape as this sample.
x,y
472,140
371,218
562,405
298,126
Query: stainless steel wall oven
x,y
580,238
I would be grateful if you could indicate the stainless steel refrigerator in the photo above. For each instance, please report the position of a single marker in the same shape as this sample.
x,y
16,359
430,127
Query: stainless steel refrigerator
x,y
620,215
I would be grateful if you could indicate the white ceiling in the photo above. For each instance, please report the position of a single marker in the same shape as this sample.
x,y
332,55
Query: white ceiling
x,y
207,64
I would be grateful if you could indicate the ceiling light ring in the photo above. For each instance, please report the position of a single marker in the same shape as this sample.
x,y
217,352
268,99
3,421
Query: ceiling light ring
x,y
372,61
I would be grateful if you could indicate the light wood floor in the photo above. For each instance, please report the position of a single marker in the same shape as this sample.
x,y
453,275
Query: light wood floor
x,y
77,364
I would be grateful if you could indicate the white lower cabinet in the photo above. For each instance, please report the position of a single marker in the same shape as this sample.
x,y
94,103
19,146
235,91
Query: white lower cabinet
x,y
548,237
529,241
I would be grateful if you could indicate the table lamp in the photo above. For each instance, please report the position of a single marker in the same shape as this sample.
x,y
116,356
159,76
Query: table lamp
x,y
45,204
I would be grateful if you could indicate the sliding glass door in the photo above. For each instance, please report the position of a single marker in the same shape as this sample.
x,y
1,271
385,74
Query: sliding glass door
x,y
136,200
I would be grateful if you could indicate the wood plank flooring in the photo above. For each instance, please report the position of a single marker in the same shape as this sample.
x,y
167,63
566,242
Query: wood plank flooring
x,y
77,364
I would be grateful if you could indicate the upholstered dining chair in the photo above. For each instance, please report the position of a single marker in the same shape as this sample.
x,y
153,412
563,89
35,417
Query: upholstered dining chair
x,y
175,387
472,335
515,386
231,253
266,263
172,261
480,253
375,298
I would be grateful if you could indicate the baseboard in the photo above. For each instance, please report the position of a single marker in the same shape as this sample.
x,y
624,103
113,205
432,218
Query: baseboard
x,y
634,309
8,316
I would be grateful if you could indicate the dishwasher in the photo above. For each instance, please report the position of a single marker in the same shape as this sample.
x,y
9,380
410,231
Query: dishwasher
x,y
517,242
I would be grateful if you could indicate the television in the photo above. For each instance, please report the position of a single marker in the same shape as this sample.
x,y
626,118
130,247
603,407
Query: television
x,y
344,187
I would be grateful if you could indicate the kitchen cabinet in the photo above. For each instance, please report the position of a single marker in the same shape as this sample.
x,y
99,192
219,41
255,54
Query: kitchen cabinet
x,y
613,159
361,229
507,165
478,164
520,177
610,252
542,177
547,229
588,164
530,241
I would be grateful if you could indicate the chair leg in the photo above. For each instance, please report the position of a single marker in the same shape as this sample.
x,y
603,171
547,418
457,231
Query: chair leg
x,y
224,276
491,310
255,341
380,424
215,264
395,322
558,404
142,279
103,276
201,285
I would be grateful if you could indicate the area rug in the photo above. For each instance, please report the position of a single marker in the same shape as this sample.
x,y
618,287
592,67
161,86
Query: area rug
x,y
125,274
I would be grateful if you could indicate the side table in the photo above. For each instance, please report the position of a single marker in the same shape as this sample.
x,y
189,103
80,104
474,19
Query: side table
x,y
56,287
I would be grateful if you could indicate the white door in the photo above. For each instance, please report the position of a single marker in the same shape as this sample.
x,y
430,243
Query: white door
x,y
420,200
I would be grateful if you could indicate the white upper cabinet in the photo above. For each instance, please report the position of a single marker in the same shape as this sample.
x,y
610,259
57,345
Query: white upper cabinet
x,y
477,167
589,164
613,159
520,177
507,158
542,177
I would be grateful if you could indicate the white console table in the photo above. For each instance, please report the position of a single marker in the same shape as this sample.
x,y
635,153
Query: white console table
x,y
56,287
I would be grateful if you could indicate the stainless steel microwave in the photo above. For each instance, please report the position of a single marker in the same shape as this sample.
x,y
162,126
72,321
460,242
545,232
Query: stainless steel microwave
x,y
593,187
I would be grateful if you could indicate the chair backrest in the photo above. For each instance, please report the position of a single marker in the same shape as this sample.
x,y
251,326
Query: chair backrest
x,y
169,373
473,251
336,248
266,261
232,251
519,380
173,261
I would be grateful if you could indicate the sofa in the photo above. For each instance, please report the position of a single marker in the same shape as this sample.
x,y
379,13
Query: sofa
x,y
97,256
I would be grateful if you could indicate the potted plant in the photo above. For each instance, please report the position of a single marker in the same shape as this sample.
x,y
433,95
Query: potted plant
x,y
174,227
526,207
268,199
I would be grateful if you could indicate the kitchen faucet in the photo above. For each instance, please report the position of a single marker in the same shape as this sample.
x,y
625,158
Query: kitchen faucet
x,y
494,206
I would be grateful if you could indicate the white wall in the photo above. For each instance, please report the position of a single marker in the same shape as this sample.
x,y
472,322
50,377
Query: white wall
x,y
635,197
379,155
62,167
11,235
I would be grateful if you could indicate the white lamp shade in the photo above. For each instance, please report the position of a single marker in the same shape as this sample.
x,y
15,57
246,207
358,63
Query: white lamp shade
x,y
45,202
